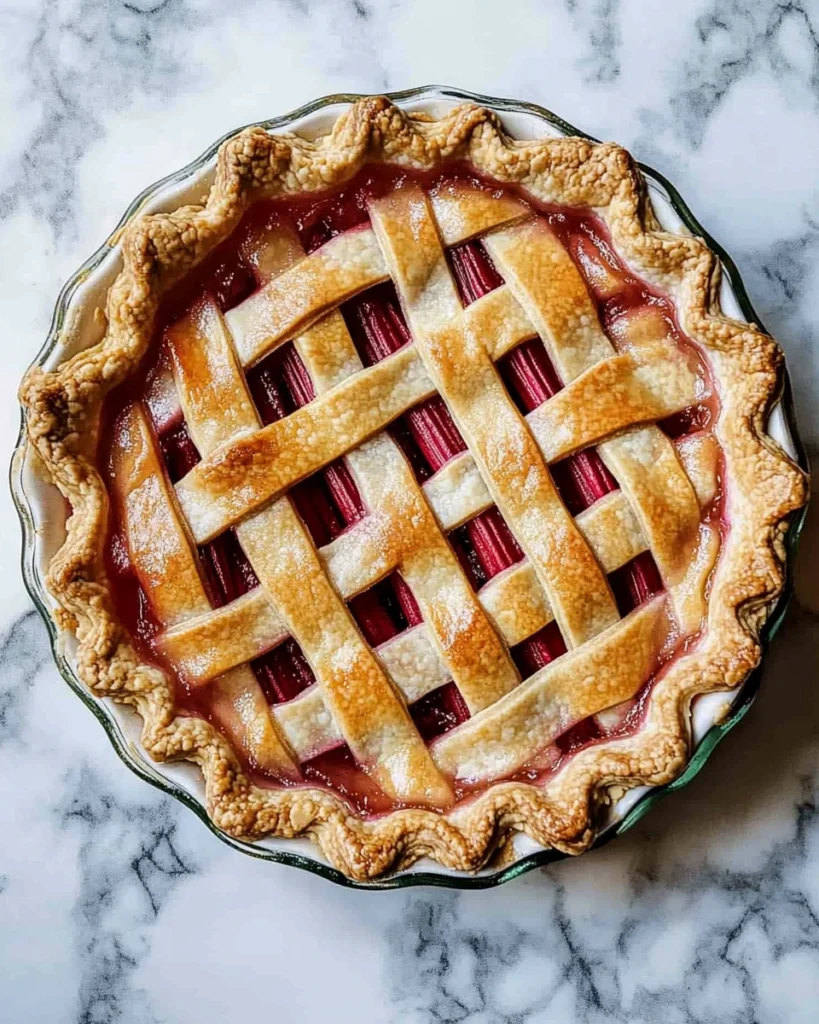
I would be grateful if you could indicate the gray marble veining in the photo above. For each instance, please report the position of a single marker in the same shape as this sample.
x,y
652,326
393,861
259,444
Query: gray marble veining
x,y
129,865
116,904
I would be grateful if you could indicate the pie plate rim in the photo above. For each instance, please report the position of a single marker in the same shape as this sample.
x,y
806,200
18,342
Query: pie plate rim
x,y
181,780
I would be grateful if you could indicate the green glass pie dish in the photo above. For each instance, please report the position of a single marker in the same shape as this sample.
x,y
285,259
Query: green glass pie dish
x,y
42,510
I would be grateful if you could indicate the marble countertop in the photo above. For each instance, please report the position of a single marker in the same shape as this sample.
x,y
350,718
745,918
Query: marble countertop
x,y
116,904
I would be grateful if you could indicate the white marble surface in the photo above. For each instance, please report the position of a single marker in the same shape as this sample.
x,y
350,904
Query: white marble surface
x,y
116,903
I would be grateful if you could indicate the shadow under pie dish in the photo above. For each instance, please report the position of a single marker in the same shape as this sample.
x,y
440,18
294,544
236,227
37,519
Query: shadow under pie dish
x,y
418,486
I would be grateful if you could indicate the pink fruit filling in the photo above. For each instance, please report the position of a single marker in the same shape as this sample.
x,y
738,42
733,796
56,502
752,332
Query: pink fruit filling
x,y
329,503
439,711
582,478
538,650
474,272
697,417
385,610
178,451
228,572
635,583
280,384
529,375
485,546
229,282
283,672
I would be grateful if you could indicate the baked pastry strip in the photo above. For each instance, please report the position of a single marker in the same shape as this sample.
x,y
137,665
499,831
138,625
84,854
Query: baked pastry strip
x,y
628,392
370,714
514,599
402,531
612,396
496,433
500,740
410,537
167,569
221,638
462,211
546,282
345,265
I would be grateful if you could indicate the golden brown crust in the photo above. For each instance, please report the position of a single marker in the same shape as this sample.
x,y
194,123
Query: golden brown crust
x,y
763,485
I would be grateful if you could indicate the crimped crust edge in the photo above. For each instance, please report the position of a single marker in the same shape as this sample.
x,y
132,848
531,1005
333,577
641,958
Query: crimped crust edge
x,y
764,486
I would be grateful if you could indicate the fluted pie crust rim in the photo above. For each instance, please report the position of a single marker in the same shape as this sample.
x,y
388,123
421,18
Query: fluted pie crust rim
x,y
763,484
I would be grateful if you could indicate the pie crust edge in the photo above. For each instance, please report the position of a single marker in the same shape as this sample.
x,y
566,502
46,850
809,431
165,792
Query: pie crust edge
x,y
763,485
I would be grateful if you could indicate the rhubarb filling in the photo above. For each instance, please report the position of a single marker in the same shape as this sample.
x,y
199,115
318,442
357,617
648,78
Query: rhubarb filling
x,y
328,502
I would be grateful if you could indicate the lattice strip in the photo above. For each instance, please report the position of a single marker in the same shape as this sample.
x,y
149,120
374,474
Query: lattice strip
x,y
238,478
222,638
345,265
501,319
542,277
308,724
326,348
497,436
462,212
244,466
448,604
500,740
457,492
610,397
167,569
291,301
367,711
412,662
545,281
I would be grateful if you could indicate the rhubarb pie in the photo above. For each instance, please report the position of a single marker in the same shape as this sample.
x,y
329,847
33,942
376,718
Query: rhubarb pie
x,y
417,487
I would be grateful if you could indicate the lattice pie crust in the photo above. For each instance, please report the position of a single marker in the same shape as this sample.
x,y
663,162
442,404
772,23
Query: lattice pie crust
x,y
246,468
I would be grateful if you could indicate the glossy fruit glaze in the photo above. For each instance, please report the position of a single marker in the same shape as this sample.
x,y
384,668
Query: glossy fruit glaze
x,y
329,503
